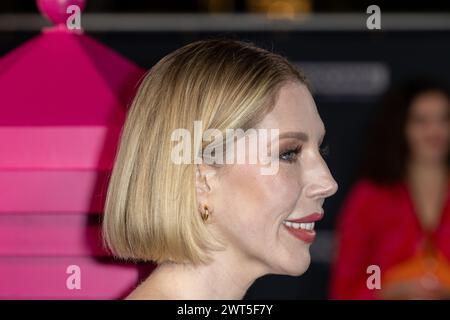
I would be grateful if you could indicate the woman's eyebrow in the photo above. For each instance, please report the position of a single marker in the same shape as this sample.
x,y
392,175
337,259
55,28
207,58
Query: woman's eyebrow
x,y
299,135
294,134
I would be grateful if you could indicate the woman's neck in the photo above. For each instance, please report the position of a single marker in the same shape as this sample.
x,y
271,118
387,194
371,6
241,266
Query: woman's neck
x,y
226,277
428,184
427,171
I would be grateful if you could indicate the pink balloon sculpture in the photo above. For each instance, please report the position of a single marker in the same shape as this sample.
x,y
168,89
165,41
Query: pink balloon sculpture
x,y
55,10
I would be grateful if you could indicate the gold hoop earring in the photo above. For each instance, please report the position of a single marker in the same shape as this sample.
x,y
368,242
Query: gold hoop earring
x,y
205,213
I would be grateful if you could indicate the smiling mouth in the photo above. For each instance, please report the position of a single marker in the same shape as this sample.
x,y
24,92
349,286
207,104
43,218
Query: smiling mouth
x,y
303,228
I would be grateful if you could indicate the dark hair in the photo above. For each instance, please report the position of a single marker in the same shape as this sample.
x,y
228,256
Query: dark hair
x,y
386,153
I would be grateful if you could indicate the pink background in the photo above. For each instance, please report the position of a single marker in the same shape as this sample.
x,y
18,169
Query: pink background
x,y
63,102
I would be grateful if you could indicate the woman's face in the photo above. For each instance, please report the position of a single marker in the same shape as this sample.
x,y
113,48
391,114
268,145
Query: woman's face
x,y
427,129
249,208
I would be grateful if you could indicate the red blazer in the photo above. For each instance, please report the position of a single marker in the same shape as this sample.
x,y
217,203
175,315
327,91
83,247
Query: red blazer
x,y
378,226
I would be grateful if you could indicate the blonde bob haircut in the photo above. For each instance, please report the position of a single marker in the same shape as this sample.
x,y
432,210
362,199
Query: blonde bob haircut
x,y
151,211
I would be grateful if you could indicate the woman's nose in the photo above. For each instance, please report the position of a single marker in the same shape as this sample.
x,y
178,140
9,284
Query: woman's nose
x,y
322,185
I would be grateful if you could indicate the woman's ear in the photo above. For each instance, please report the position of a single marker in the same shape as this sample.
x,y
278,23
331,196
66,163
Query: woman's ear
x,y
205,183
204,176
202,186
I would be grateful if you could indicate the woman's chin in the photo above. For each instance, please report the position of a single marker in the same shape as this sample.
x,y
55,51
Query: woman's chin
x,y
296,264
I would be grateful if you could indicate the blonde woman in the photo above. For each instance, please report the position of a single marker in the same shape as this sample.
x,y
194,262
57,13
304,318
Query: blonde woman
x,y
214,227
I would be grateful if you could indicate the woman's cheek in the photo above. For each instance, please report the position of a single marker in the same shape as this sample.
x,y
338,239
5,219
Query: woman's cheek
x,y
247,197
288,179
282,191
241,193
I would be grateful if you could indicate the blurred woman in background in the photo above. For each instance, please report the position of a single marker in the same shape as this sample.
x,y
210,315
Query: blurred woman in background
x,y
397,216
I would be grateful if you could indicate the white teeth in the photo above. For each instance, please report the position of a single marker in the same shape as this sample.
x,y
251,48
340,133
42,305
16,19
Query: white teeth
x,y
304,226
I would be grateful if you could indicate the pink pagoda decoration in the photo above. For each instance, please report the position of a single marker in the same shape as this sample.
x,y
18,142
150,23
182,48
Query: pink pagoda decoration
x,y
64,98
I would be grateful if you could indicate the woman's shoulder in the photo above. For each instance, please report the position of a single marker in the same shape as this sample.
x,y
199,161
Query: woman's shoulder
x,y
369,188
143,292
365,192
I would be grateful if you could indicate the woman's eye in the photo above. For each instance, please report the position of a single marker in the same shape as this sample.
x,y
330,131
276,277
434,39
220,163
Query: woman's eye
x,y
290,155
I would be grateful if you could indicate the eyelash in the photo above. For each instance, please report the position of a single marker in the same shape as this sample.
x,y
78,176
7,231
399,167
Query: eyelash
x,y
296,150
324,151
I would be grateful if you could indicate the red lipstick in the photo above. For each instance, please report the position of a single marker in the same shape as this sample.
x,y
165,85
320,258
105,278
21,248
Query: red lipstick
x,y
305,235
313,217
